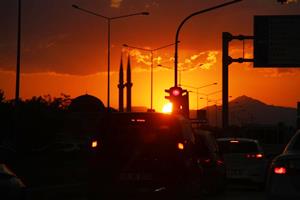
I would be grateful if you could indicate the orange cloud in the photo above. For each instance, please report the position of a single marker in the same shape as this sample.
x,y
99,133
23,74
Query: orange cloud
x,y
140,58
203,60
292,1
279,72
115,3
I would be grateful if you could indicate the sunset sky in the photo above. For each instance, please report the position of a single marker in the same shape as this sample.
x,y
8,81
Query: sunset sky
x,y
65,50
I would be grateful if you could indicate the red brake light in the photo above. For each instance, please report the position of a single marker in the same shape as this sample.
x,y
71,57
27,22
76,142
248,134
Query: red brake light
x,y
220,162
258,155
280,170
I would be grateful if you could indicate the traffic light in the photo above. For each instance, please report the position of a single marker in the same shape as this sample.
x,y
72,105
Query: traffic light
x,y
174,92
179,99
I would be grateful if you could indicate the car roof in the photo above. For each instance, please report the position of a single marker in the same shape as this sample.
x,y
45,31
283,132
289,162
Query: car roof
x,y
290,146
141,114
148,116
156,117
238,138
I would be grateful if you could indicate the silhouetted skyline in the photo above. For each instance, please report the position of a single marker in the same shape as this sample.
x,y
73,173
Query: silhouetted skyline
x,y
64,50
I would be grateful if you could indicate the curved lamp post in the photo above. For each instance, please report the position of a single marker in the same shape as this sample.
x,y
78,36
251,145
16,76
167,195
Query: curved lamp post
x,y
108,19
181,24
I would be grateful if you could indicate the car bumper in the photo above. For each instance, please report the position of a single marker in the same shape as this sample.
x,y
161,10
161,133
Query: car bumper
x,y
281,187
253,175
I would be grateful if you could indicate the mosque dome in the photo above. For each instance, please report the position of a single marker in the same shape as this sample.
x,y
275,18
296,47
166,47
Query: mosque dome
x,y
86,103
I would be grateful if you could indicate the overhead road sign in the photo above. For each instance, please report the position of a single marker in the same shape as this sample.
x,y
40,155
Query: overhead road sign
x,y
277,41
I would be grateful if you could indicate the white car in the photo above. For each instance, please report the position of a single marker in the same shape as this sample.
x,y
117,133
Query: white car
x,y
244,159
284,173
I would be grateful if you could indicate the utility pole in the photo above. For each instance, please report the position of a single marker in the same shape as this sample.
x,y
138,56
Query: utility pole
x,y
17,96
226,61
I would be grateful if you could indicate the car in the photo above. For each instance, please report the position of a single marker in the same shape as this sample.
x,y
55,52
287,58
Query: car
x,y
142,153
59,147
214,170
244,160
284,172
11,186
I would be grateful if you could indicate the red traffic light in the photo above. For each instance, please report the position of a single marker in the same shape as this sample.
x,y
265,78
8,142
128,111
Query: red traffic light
x,y
176,92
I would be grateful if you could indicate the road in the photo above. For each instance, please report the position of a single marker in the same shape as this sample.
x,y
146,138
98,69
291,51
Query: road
x,y
77,192
240,193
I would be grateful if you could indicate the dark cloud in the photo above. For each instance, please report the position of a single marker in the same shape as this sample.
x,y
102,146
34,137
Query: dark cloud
x,y
58,38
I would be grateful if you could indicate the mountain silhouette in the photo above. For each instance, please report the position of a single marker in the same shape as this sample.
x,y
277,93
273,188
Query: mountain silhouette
x,y
245,110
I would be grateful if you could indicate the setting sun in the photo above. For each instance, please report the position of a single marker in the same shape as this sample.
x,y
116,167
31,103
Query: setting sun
x,y
167,108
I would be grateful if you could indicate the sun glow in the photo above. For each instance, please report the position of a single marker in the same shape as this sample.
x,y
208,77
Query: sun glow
x,y
167,108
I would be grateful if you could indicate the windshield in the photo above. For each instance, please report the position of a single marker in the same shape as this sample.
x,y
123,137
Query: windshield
x,y
237,147
142,135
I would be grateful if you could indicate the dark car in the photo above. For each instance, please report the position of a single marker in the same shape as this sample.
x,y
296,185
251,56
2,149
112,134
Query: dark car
x,y
284,173
214,170
11,186
144,153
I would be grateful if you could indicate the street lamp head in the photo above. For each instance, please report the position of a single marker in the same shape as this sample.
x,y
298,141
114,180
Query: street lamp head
x,y
75,6
145,13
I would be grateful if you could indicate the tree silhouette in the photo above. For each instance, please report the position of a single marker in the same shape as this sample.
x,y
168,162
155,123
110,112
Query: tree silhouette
x,y
2,97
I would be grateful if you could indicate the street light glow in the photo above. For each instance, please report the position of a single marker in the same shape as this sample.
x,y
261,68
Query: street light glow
x,y
167,108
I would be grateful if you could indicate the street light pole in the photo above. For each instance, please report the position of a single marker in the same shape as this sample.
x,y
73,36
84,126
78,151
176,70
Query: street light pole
x,y
151,96
109,19
180,26
151,70
17,95
108,64
197,88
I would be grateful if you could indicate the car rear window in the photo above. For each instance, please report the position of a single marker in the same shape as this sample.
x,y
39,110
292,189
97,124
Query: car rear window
x,y
296,145
143,135
237,147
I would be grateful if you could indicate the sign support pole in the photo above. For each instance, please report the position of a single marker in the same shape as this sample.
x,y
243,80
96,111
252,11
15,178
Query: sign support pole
x,y
226,61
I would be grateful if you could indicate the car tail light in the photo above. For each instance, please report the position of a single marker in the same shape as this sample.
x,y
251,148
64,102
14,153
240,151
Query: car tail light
x,y
220,162
257,155
279,170
94,144
180,146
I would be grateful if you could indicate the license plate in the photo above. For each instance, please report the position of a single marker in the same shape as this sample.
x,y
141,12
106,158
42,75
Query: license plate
x,y
135,177
234,173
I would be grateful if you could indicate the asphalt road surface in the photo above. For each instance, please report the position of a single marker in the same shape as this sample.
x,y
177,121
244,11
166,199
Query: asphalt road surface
x,y
77,192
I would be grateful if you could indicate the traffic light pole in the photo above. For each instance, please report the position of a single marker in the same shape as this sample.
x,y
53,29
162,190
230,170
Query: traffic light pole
x,y
225,39
226,61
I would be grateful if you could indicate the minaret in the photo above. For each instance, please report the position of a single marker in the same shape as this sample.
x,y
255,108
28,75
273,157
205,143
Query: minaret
x,y
121,87
128,86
